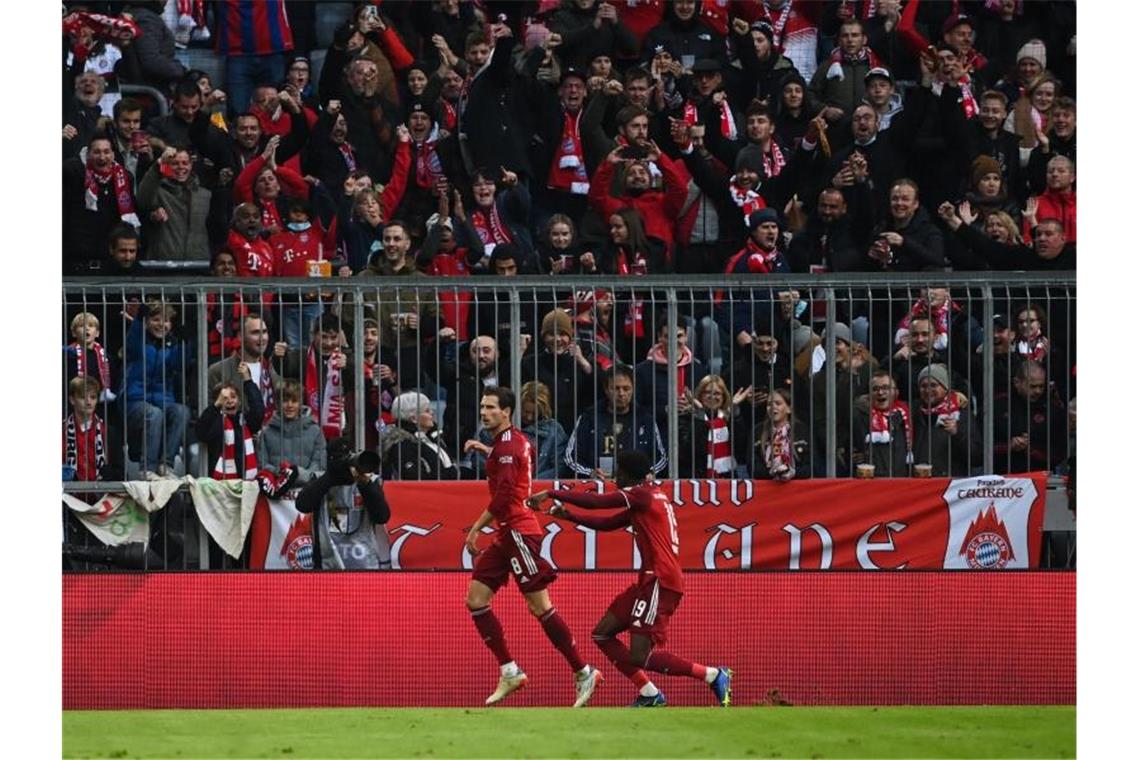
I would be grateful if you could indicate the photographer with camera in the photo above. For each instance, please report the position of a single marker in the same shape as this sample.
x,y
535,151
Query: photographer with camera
x,y
337,519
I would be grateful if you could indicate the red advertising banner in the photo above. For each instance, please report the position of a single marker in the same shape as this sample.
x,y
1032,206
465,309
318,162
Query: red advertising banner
x,y
402,639
987,522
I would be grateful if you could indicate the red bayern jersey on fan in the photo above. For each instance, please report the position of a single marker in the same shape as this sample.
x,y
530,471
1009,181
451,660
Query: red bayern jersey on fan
x,y
508,479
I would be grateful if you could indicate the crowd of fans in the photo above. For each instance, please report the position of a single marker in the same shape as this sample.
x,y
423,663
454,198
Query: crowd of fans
x,y
597,139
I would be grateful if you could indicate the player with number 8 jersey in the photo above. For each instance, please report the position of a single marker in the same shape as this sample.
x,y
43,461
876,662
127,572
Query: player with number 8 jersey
x,y
646,606
515,551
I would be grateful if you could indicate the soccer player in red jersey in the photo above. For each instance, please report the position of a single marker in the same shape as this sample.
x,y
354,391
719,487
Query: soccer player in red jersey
x,y
646,606
515,551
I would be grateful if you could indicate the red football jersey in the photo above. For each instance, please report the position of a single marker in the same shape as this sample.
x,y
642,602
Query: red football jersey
x,y
654,527
508,479
292,251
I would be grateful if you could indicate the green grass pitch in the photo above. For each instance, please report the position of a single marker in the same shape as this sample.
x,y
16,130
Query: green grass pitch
x,y
745,732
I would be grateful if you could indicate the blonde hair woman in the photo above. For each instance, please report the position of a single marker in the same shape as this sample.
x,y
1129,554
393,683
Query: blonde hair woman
x,y
709,433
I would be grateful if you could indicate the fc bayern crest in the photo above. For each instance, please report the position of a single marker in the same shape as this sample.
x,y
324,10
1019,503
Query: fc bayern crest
x,y
297,548
987,545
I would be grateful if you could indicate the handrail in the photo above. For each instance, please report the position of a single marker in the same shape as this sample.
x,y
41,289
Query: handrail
x,y
845,280
145,89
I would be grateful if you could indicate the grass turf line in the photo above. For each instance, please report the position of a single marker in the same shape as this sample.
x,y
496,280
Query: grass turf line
x,y
808,732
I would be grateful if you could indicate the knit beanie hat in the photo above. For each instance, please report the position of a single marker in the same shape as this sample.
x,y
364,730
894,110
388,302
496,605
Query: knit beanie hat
x,y
801,337
842,333
557,321
936,372
756,218
982,166
1034,49
765,29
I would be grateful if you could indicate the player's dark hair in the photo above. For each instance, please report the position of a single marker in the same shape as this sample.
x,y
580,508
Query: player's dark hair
x,y
634,463
504,396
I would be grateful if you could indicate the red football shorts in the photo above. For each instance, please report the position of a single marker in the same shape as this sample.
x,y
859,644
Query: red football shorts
x,y
518,555
645,608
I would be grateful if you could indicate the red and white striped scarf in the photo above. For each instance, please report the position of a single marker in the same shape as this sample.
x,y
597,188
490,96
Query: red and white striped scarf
x,y
939,317
104,367
718,448
778,453
727,122
121,184
947,409
448,115
838,58
1035,348
270,216
489,226
226,466
969,102
568,167
329,405
195,9
747,201
428,166
778,24
761,261
774,161
102,26
881,424
85,450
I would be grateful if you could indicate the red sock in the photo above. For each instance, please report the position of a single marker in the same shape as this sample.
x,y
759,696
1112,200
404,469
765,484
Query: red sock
x,y
672,665
618,653
492,633
562,639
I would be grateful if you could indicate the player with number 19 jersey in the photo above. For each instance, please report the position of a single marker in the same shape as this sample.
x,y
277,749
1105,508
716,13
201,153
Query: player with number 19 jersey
x,y
655,532
645,607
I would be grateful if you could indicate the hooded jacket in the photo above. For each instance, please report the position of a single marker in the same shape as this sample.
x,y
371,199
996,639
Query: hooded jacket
x,y
298,441
686,39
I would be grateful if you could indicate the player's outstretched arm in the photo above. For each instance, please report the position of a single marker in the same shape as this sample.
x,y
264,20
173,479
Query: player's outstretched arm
x,y
611,500
615,521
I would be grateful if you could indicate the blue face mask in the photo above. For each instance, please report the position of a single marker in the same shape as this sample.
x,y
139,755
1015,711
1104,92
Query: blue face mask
x,y
299,226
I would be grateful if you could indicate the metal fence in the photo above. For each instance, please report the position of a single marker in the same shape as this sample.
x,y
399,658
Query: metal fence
x,y
950,374
1003,375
